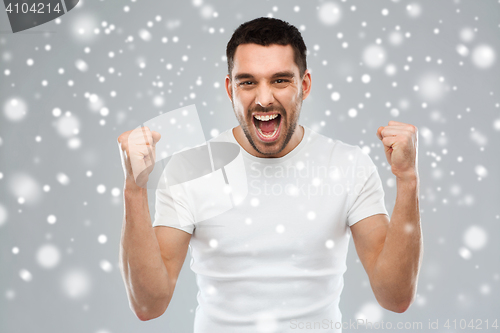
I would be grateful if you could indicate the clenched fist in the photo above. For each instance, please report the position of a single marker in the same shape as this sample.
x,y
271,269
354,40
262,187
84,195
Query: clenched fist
x,y
138,153
401,148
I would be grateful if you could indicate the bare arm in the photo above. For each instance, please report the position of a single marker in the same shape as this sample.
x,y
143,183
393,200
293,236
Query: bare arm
x,y
150,258
395,274
391,252
141,265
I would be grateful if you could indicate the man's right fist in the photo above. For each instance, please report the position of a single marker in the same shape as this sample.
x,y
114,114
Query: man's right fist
x,y
138,154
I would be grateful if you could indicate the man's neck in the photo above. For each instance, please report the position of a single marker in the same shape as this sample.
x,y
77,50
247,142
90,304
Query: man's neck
x,y
240,137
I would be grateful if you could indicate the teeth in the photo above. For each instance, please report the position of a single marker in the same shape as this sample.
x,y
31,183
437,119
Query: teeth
x,y
265,118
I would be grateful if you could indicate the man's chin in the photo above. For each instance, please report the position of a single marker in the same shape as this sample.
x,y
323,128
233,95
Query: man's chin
x,y
267,148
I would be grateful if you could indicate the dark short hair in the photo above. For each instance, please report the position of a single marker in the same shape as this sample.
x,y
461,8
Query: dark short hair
x,y
266,31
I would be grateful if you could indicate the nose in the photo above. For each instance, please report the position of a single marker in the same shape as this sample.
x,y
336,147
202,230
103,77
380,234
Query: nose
x,y
264,96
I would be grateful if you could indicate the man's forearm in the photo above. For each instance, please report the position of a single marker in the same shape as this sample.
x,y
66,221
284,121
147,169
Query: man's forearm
x,y
396,270
141,265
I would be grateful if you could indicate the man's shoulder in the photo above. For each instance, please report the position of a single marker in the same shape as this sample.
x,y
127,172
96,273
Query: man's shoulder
x,y
342,154
339,146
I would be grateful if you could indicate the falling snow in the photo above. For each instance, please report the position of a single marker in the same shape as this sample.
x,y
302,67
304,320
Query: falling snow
x,y
48,256
69,90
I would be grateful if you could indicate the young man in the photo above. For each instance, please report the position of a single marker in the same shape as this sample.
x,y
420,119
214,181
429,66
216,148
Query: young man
x,y
275,262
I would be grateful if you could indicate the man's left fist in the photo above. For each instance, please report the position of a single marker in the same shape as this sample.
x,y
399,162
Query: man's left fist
x,y
400,145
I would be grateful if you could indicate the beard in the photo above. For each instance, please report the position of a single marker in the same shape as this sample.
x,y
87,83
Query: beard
x,y
288,120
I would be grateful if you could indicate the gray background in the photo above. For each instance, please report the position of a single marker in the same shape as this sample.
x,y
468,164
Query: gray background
x,y
82,291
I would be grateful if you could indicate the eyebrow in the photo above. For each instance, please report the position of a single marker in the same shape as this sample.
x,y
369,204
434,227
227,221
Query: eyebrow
x,y
287,74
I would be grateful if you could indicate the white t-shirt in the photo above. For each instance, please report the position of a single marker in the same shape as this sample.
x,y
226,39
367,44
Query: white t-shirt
x,y
275,261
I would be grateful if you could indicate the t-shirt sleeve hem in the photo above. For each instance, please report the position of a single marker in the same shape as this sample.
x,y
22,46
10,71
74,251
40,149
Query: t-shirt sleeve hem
x,y
188,230
366,213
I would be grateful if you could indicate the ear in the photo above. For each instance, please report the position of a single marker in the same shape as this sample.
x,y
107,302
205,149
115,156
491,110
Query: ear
x,y
306,84
229,88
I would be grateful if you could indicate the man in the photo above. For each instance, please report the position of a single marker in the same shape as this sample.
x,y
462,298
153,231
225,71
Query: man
x,y
275,263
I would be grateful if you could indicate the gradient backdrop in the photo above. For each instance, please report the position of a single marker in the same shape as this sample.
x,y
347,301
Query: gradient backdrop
x,y
69,87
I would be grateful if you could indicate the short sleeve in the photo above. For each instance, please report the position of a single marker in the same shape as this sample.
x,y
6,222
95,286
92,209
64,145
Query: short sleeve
x,y
173,213
367,194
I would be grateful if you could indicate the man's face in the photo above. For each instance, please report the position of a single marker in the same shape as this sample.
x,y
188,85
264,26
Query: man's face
x,y
266,84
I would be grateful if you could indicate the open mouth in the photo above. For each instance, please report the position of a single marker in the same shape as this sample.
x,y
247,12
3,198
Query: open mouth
x,y
267,126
